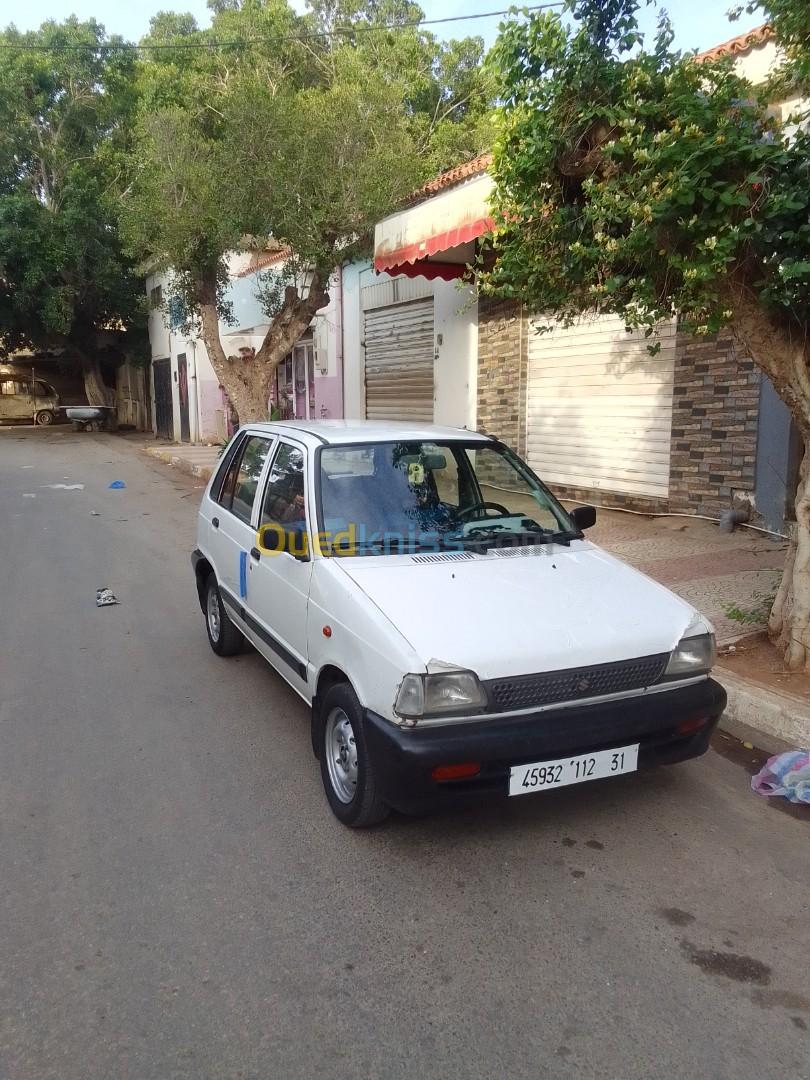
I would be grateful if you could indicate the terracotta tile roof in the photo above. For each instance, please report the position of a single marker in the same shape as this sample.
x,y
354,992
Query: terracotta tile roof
x,y
739,45
262,259
452,177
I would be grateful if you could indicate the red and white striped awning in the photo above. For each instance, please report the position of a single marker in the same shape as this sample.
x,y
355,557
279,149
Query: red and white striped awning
x,y
435,238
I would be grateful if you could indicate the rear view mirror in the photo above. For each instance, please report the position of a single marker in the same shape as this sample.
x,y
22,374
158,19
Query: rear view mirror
x,y
583,517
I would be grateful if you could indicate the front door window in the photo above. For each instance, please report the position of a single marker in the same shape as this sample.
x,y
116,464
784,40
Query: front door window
x,y
284,495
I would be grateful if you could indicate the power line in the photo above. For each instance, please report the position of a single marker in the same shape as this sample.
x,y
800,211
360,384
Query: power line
x,y
305,35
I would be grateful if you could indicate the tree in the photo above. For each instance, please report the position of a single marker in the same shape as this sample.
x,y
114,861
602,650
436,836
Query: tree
x,y
640,182
300,136
447,90
63,276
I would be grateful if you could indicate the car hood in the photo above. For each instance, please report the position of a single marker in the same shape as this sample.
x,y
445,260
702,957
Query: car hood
x,y
509,613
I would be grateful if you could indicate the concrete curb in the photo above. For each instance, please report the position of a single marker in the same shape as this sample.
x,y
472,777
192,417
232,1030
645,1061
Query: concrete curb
x,y
771,720
190,468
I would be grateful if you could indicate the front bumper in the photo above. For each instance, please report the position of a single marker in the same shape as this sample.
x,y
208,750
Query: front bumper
x,y
404,759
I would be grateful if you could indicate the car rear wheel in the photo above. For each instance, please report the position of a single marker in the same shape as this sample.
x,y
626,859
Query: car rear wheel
x,y
224,638
44,417
348,773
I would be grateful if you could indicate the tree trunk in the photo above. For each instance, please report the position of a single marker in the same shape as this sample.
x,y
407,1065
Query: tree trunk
x,y
96,392
789,622
247,382
784,359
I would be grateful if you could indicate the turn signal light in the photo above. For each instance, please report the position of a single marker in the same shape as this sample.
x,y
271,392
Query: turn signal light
x,y
694,724
456,772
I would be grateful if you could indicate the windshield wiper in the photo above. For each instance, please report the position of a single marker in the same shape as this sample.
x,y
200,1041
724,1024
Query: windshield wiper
x,y
401,546
488,538
565,536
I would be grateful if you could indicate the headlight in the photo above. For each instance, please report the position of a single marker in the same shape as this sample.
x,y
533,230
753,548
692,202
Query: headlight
x,y
692,656
437,695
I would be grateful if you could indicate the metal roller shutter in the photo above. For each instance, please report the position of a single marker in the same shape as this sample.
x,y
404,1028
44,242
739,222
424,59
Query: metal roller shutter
x,y
399,361
600,407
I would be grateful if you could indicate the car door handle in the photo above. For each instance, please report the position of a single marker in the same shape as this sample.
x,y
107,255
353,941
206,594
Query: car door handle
x,y
215,522
255,554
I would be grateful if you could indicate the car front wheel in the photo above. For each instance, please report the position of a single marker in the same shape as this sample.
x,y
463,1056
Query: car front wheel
x,y
44,417
224,638
348,773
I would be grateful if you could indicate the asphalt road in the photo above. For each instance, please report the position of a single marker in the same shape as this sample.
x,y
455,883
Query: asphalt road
x,y
176,900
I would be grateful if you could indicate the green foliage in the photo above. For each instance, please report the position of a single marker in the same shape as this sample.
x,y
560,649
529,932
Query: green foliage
x,y
757,615
62,139
637,181
446,90
293,132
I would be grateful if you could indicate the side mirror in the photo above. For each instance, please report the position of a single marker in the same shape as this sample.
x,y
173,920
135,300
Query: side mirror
x,y
273,538
297,544
583,517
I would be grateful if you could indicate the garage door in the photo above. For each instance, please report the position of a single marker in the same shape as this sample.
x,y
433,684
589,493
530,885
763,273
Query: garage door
x,y
600,407
399,361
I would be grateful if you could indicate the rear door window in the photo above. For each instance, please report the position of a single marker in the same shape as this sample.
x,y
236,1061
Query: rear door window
x,y
223,486
247,477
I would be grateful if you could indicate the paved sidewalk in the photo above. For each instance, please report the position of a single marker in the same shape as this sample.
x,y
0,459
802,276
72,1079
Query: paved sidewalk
x,y
199,461
722,574
717,572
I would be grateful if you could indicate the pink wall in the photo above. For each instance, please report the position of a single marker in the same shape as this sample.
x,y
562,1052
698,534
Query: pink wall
x,y
328,397
210,403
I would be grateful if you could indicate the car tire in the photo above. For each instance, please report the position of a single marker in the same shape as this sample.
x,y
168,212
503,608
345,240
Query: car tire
x,y
43,418
223,637
347,770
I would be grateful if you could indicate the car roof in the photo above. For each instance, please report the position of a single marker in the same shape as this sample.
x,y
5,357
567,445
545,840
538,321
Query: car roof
x,y
342,432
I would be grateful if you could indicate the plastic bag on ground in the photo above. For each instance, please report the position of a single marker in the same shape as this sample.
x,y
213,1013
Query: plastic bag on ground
x,y
785,774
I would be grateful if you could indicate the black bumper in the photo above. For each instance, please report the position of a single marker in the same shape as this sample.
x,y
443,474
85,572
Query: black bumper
x,y
669,726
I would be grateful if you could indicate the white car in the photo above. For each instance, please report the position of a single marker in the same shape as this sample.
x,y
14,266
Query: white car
x,y
453,631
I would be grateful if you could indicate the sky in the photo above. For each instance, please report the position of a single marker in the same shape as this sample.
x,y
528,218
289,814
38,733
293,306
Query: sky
x,y
698,23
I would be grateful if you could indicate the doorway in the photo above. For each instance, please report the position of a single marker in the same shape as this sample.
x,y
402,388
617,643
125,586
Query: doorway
x,y
182,391
295,383
164,422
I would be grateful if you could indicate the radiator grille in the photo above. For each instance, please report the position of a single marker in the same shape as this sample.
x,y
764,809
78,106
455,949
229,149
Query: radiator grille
x,y
551,687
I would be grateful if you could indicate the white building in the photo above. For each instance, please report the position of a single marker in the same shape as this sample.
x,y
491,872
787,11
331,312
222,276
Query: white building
x,y
188,402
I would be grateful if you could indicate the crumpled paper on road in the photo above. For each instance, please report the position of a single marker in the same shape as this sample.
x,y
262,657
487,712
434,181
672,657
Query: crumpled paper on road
x,y
785,774
105,597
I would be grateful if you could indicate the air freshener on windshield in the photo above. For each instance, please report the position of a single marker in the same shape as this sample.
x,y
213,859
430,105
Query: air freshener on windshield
x,y
416,472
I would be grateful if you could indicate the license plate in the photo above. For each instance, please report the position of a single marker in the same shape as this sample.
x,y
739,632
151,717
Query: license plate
x,y
572,770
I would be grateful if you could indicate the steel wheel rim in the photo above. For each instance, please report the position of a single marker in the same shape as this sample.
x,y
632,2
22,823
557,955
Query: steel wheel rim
x,y
341,755
212,609
45,418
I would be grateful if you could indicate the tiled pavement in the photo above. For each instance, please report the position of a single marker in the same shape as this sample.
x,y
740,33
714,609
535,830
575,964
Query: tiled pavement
x,y
717,572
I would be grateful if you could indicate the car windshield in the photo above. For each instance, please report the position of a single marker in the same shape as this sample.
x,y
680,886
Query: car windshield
x,y
393,497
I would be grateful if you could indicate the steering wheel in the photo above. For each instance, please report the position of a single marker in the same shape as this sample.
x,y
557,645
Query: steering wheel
x,y
462,515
